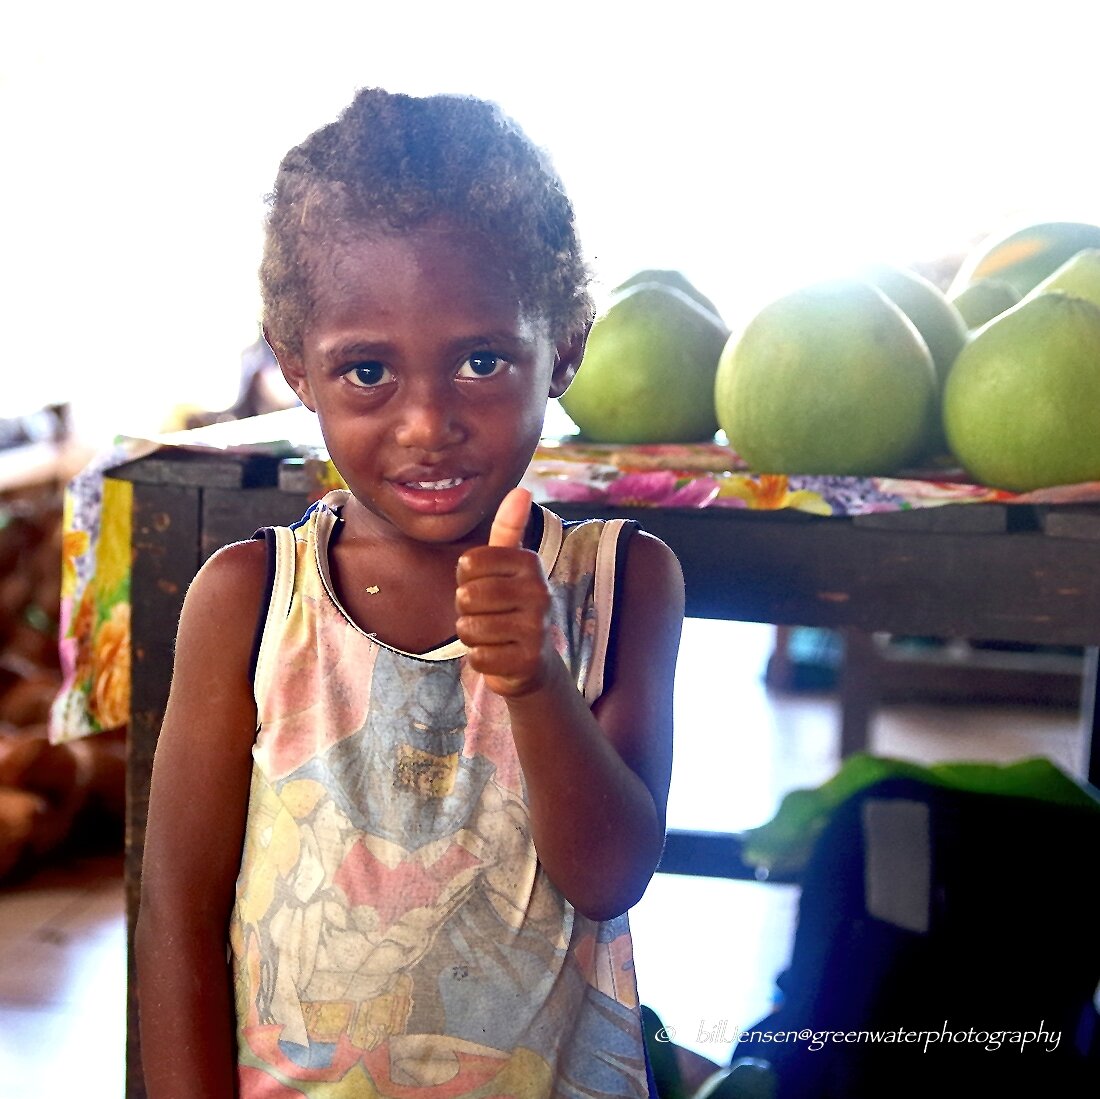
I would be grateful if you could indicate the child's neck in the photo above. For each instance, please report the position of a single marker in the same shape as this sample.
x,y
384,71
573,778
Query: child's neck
x,y
401,590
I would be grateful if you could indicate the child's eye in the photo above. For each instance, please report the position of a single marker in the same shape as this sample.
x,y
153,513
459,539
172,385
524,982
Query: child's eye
x,y
367,375
482,364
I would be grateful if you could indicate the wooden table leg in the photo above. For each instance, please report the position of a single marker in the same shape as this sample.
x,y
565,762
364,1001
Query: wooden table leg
x,y
165,540
1090,715
858,693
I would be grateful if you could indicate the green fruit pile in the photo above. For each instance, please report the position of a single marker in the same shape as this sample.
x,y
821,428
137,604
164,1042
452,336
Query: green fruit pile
x,y
825,383
843,377
1021,408
873,374
649,365
832,379
1024,256
1022,405
938,322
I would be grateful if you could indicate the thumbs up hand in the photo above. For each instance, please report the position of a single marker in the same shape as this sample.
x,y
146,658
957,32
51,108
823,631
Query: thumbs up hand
x,y
503,603
511,519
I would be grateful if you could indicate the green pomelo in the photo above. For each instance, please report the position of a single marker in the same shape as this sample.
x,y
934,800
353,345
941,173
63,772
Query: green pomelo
x,y
831,379
1025,256
648,370
936,319
983,300
1022,405
667,277
1079,277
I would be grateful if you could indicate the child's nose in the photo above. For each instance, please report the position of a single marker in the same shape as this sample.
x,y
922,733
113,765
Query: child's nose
x,y
430,419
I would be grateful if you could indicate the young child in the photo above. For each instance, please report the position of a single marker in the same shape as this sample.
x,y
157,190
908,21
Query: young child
x,y
416,755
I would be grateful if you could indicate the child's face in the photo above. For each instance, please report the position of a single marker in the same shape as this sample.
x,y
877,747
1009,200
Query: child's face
x,y
429,380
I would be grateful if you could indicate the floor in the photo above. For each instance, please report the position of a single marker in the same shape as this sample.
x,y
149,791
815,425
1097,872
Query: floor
x,y
707,951
63,982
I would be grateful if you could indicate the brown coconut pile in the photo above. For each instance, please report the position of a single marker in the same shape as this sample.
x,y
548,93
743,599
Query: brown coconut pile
x,y
53,797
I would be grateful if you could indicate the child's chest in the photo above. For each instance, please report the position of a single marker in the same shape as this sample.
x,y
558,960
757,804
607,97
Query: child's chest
x,y
407,604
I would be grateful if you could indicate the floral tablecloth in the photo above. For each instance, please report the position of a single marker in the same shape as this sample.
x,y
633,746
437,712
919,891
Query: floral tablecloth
x,y
95,619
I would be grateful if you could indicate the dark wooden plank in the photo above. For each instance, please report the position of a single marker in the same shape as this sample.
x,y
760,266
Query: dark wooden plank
x,y
229,515
810,571
201,469
299,475
711,855
1072,522
1042,677
165,542
961,518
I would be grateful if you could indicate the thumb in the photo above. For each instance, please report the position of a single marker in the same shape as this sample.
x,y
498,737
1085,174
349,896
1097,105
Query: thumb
x,y
511,519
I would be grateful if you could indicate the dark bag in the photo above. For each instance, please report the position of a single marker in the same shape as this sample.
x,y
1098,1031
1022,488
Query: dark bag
x,y
943,936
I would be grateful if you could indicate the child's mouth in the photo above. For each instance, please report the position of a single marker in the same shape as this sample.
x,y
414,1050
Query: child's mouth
x,y
436,497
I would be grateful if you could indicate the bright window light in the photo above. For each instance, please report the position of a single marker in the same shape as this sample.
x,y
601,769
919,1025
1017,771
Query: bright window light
x,y
754,147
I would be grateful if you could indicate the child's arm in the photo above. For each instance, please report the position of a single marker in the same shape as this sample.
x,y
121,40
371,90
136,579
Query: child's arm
x,y
197,806
597,778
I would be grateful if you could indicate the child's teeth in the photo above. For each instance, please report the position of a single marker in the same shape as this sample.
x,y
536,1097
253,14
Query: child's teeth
x,y
450,482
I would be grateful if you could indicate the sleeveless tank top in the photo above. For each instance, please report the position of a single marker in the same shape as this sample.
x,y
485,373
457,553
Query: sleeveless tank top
x,y
394,933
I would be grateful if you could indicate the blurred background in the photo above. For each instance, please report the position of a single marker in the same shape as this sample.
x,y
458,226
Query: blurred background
x,y
754,147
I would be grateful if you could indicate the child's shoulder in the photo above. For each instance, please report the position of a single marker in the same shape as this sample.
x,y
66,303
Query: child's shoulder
x,y
229,588
652,568
212,669
240,565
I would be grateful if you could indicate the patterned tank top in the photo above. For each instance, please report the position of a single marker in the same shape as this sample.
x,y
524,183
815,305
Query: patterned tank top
x,y
394,933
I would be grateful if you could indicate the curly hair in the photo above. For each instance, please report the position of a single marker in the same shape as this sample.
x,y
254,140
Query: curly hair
x,y
394,162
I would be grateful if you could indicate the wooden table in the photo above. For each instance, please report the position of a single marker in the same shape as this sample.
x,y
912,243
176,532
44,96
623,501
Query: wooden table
x,y
989,571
